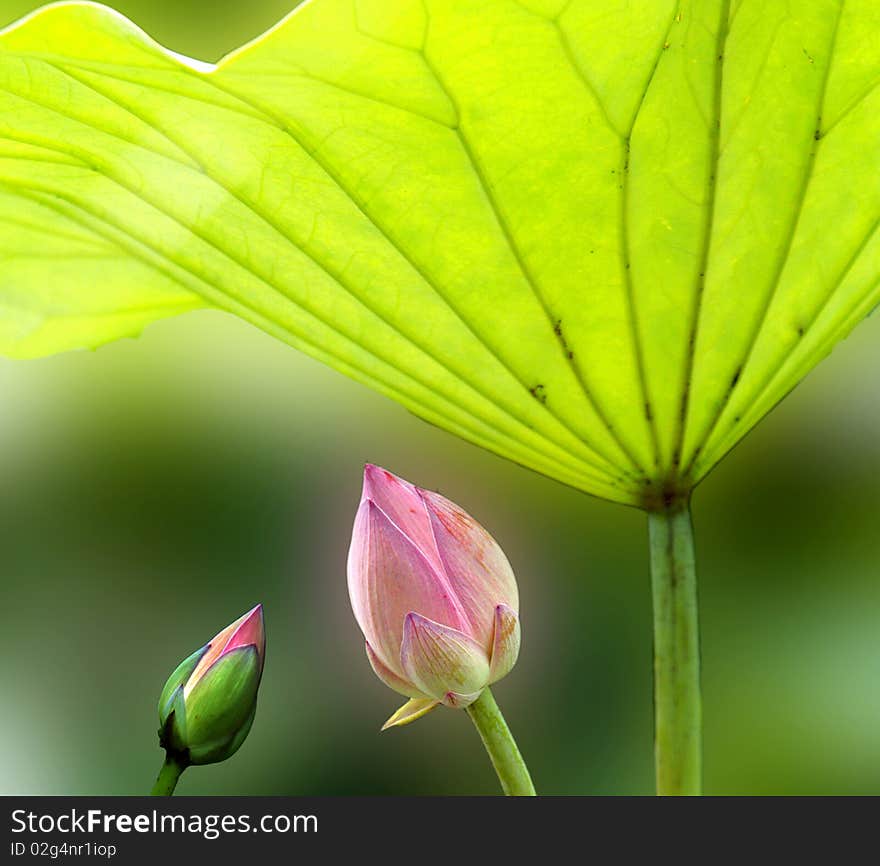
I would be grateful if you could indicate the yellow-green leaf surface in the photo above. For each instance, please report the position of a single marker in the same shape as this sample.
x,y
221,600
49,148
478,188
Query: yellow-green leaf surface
x,y
601,238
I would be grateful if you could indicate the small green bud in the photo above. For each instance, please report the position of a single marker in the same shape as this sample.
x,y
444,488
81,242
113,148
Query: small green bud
x,y
208,704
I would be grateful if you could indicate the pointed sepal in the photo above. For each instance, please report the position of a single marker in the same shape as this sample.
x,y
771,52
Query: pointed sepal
x,y
413,709
172,730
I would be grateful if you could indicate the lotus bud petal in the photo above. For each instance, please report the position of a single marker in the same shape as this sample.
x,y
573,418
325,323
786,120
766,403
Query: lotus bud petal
x,y
208,704
398,684
433,594
505,643
442,661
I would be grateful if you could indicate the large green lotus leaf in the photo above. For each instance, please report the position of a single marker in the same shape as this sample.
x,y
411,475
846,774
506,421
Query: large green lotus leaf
x,y
599,237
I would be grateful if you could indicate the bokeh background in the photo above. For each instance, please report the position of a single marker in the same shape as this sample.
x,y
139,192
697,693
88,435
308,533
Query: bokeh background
x,y
154,490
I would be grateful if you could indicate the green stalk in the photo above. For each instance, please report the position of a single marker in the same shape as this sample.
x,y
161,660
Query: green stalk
x,y
677,703
506,759
166,782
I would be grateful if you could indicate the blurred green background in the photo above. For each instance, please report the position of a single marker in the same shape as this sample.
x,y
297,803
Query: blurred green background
x,y
158,488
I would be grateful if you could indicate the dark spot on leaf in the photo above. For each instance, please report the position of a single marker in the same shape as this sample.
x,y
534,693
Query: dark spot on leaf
x,y
538,393
735,378
557,329
685,398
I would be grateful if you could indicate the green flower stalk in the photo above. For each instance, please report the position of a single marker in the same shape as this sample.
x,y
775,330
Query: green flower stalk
x,y
208,704
438,604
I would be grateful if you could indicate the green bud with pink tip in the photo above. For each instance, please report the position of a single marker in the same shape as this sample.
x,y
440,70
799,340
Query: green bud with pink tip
x,y
208,703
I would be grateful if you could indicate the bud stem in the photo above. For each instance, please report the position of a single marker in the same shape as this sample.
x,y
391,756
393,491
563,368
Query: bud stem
x,y
677,702
166,781
506,759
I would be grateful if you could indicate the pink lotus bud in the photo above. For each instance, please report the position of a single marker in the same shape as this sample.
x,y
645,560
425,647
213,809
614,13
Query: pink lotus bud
x,y
433,594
